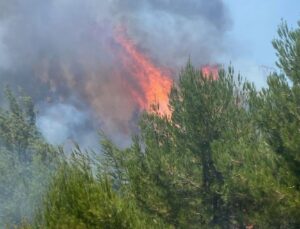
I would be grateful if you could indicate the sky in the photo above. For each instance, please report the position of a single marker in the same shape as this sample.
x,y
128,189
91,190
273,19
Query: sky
x,y
254,26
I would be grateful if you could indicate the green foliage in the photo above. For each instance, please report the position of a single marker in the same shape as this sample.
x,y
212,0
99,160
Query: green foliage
x,y
170,168
278,106
214,162
288,51
78,198
276,110
25,161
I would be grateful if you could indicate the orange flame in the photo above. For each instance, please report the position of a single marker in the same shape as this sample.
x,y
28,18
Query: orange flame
x,y
210,71
154,83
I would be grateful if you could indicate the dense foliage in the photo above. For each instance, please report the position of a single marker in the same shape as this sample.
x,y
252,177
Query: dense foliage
x,y
228,157
82,198
26,160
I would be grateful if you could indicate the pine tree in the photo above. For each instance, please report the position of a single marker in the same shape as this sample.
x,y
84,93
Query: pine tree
x,y
80,197
25,160
277,114
170,169
209,165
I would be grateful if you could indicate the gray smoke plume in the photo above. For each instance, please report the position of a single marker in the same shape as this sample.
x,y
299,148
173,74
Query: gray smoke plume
x,y
63,53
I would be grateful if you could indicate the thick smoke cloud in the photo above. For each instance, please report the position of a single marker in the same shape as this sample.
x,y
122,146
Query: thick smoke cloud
x,y
63,53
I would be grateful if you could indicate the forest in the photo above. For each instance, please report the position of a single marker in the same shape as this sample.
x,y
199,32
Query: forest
x,y
228,156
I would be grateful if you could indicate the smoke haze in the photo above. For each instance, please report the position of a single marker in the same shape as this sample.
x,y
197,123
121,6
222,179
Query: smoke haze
x,y
64,54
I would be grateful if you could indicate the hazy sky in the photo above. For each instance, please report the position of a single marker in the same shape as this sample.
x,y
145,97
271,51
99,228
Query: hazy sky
x,y
254,25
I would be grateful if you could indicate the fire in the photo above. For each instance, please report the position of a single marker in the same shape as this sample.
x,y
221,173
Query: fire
x,y
154,84
210,71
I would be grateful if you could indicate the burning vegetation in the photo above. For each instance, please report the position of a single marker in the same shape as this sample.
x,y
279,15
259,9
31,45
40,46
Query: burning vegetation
x,y
153,84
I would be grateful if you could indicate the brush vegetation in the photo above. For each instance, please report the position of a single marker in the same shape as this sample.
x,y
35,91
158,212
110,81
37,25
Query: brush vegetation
x,y
228,157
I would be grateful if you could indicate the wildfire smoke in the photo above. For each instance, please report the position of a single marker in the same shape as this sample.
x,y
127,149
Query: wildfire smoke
x,y
70,58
